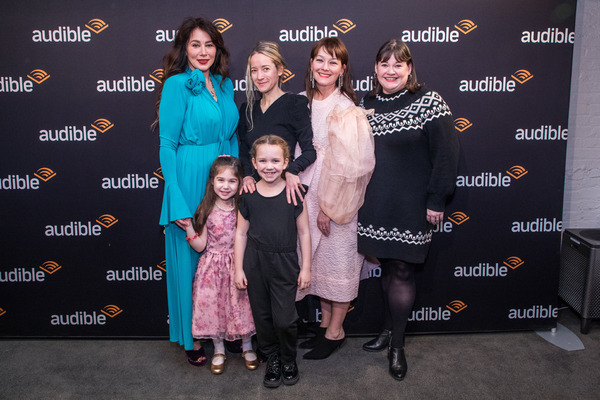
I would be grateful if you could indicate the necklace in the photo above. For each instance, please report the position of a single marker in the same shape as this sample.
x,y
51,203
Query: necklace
x,y
224,209
211,90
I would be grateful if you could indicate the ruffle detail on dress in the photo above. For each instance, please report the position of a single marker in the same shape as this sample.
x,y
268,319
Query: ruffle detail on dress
x,y
196,82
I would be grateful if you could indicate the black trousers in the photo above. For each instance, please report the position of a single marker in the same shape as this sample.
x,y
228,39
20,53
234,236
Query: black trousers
x,y
272,284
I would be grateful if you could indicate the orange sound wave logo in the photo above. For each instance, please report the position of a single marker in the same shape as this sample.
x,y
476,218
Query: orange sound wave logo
x,y
222,24
107,220
50,267
158,75
465,26
96,25
287,75
462,124
458,217
159,174
38,75
111,310
344,25
102,125
456,306
162,265
513,262
45,174
517,172
522,76
2,311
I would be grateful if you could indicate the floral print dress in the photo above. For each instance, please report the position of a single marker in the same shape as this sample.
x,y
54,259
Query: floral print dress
x,y
220,310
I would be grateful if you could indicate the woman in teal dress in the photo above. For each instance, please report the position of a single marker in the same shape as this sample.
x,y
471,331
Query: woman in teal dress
x,y
197,119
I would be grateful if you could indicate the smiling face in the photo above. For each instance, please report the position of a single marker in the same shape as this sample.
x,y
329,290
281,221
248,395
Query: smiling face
x,y
226,183
200,51
392,74
265,74
270,162
326,69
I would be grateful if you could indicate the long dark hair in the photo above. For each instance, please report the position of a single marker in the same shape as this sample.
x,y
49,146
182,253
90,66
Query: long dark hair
x,y
337,48
210,197
401,53
176,61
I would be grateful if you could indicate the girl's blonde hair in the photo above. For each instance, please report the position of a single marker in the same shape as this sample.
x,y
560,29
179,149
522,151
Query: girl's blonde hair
x,y
272,140
270,50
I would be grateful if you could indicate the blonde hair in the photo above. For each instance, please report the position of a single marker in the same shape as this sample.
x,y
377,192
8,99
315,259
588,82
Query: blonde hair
x,y
272,140
270,50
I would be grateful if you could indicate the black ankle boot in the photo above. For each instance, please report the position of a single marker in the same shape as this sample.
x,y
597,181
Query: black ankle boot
x,y
398,366
380,343
313,341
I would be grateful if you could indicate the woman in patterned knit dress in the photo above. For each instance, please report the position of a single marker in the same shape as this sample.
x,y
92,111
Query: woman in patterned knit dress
x,y
416,150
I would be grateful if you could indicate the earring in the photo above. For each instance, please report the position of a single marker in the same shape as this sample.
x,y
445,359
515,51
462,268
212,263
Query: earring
x,y
312,79
409,77
340,82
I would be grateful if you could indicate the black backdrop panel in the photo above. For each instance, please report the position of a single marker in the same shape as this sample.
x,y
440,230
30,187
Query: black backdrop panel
x,y
80,184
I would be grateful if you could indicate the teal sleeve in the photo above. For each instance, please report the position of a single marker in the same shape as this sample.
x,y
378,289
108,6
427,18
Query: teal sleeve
x,y
170,120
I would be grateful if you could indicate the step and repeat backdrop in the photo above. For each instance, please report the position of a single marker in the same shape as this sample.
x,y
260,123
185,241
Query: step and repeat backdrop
x,y
81,184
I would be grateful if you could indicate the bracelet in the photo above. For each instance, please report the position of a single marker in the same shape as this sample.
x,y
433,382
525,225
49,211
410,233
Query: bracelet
x,y
190,239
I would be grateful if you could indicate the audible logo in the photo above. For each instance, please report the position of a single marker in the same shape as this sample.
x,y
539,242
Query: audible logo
x,y
363,85
168,35
66,34
135,274
85,317
456,306
9,84
534,312
131,181
162,265
496,84
430,314
544,132
158,75
314,33
550,36
78,228
76,134
128,84
16,182
20,275
537,225
487,270
2,311
491,179
222,24
458,217
159,174
435,34
462,124
287,75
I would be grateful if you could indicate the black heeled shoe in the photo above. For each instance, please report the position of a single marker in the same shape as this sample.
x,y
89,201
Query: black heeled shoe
x,y
380,343
398,366
324,349
312,342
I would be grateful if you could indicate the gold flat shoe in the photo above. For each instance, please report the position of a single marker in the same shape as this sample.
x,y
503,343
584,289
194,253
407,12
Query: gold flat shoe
x,y
250,364
217,368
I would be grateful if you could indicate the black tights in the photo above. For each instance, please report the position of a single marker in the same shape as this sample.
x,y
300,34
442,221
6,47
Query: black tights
x,y
398,283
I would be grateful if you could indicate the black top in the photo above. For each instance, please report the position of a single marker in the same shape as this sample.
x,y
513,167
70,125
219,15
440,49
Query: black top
x,y
272,221
288,117
416,153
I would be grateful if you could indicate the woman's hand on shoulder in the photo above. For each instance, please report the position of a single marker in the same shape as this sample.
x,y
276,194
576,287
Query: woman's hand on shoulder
x,y
248,185
293,189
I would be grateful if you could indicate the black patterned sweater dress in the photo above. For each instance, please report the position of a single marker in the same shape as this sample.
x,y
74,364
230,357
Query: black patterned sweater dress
x,y
416,153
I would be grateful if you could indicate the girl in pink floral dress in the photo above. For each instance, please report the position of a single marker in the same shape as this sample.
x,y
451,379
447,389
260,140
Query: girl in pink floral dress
x,y
220,310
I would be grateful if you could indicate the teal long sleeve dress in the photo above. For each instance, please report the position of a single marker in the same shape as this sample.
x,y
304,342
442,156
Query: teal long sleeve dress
x,y
194,130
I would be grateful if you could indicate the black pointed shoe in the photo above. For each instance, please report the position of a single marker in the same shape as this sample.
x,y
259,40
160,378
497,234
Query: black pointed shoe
x,y
324,349
290,374
312,342
380,343
272,377
398,366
